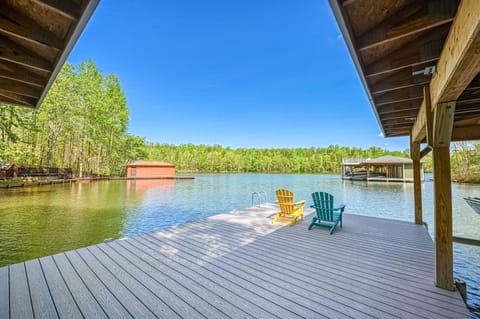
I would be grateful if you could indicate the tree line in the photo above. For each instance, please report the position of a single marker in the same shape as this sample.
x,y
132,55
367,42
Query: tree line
x,y
218,159
82,124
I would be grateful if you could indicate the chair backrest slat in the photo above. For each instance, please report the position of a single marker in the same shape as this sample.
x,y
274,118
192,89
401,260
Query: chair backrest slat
x,y
285,201
323,203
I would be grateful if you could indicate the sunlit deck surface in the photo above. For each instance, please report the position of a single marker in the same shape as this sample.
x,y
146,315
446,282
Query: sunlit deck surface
x,y
239,265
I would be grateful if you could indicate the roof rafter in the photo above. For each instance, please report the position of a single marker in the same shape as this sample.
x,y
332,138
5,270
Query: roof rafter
x,y
19,26
10,86
399,80
16,72
17,99
413,19
424,50
66,8
12,52
459,63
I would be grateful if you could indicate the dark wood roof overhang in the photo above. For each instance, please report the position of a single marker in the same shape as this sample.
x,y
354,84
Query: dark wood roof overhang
x,y
393,44
36,36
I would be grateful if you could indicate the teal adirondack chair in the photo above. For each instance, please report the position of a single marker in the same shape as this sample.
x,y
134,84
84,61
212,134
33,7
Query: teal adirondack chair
x,y
325,214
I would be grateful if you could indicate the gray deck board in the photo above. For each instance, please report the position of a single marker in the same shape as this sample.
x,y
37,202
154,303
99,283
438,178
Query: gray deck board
x,y
183,292
123,295
333,277
178,305
239,265
4,293
209,281
20,302
271,281
228,309
109,303
87,303
63,299
148,297
217,275
42,302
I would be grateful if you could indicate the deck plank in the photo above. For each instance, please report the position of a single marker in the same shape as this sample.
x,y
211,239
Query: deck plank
x,y
183,292
223,288
43,306
284,278
265,288
109,303
87,303
4,293
156,305
20,301
228,309
239,265
333,281
178,305
63,299
121,293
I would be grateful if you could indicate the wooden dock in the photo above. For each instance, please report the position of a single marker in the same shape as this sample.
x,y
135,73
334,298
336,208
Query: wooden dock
x,y
239,265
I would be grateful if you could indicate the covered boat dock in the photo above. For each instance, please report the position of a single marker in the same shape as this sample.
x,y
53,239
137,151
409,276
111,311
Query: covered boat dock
x,y
419,62
383,169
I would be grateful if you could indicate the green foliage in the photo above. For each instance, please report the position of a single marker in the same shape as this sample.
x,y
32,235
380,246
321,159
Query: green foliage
x,y
82,122
204,158
465,162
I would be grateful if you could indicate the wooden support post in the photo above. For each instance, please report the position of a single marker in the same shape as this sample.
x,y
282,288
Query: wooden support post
x,y
443,218
417,183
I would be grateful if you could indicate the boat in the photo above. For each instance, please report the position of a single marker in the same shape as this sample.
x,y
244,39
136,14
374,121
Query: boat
x,y
474,202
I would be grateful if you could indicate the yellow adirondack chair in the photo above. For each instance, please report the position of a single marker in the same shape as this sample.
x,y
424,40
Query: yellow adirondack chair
x,y
289,210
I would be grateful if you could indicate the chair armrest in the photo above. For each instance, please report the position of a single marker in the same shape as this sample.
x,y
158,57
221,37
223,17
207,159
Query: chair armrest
x,y
340,208
302,203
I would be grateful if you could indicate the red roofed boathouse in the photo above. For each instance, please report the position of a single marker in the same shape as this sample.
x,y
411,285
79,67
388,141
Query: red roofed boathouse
x,y
150,169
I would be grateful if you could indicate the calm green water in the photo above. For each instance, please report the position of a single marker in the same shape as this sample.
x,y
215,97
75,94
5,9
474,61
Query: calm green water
x,y
45,220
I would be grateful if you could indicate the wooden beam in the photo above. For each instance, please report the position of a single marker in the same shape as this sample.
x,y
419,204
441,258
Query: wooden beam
x,y
419,129
460,60
16,72
424,152
398,80
18,26
459,63
12,52
387,101
406,114
443,124
466,241
397,133
466,133
406,94
16,99
422,52
20,88
417,180
413,19
443,218
68,9
428,115
389,109
347,2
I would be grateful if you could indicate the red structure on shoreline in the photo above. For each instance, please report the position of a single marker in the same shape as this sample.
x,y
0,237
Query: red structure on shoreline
x,y
150,169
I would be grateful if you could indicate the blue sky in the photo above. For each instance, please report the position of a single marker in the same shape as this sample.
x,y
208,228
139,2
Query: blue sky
x,y
270,73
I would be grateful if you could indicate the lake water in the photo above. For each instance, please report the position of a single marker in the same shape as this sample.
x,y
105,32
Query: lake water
x,y
44,220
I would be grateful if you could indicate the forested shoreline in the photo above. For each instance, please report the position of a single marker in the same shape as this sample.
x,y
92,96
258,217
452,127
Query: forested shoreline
x,y
82,124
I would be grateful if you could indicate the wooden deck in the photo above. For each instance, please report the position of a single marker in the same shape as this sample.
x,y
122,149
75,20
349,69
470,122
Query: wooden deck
x,y
239,265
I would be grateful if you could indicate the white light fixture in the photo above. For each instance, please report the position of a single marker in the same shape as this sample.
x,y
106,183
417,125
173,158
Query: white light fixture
x,y
429,70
